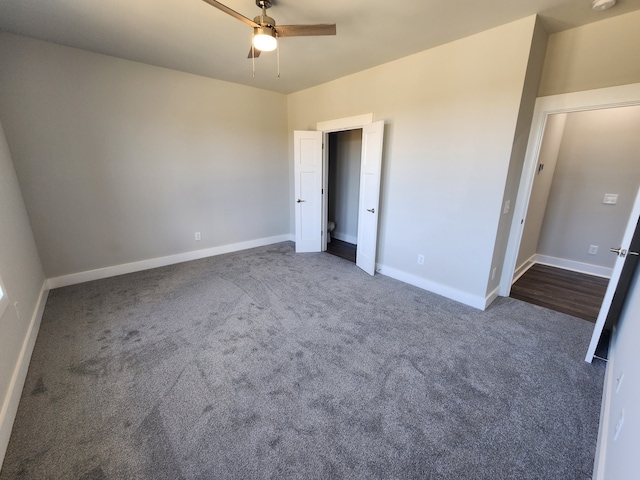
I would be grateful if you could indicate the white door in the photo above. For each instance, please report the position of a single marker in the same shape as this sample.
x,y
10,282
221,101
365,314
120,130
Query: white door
x,y
623,253
307,154
369,196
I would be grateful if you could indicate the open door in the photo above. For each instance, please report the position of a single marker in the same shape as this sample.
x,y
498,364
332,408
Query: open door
x,y
369,196
620,277
308,162
307,154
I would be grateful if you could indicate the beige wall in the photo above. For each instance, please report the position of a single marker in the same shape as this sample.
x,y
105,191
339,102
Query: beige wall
x,y
597,55
344,183
121,162
24,281
553,132
451,114
520,139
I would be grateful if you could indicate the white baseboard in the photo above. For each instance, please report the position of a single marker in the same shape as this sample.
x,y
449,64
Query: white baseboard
x,y
580,267
106,272
491,297
522,269
345,238
9,406
463,297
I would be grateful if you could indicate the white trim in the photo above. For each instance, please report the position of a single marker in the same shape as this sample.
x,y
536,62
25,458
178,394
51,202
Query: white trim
x,y
574,266
605,412
437,288
348,123
4,299
9,406
495,293
589,269
345,238
522,269
611,97
327,127
106,272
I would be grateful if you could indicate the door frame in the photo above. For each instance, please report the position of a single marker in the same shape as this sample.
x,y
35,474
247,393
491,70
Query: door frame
x,y
332,126
598,99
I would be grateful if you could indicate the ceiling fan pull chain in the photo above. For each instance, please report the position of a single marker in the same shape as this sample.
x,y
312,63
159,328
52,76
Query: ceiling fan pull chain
x,y
253,60
278,56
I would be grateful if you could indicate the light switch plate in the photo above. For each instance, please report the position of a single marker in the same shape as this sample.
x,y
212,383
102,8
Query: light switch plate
x,y
610,198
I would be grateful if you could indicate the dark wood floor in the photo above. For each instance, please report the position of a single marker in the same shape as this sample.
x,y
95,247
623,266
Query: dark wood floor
x,y
342,249
562,290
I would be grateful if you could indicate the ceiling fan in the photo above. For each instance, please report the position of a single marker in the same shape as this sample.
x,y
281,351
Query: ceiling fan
x,y
265,31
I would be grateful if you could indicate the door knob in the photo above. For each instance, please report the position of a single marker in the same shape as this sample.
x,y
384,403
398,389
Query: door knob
x,y
621,252
372,210
299,201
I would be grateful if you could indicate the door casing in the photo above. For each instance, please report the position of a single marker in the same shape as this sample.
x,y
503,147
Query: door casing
x,y
332,126
364,122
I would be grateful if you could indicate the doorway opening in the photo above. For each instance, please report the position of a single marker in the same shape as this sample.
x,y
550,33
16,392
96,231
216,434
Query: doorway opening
x,y
311,181
607,99
581,199
564,261
582,190
342,192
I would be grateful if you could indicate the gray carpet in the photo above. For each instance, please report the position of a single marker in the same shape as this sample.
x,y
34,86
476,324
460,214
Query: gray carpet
x,y
267,364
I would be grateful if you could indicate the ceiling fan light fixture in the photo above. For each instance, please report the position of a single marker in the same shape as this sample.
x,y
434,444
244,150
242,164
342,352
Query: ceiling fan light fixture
x,y
599,5
264,39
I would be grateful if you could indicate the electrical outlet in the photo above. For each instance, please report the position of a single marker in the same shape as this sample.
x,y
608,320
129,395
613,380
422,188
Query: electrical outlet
x,y
507,207
593,249
420,259
493,273
15,306
198,236
610,198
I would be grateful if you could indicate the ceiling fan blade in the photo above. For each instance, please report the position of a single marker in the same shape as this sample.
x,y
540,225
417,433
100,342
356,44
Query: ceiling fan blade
x,y
254,49
305,30
231,12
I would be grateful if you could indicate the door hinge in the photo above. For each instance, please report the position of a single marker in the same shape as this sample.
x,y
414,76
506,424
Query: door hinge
x,y
322,191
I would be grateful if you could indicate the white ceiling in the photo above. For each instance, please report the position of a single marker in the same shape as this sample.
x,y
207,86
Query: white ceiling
x,y
192,36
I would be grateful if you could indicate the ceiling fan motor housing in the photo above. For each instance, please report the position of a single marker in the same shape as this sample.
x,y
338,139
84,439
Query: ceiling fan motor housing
x,y
264,21
266,30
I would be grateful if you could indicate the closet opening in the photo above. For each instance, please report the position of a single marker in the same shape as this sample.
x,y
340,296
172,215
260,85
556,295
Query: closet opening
x,y
342,186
